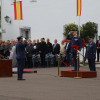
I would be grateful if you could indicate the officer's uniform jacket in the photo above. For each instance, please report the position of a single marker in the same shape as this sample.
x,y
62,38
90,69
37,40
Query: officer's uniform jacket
x,y
20,50
91,50
75,40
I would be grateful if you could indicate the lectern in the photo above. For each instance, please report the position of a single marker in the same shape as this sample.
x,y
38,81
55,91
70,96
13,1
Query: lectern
x,y
5,68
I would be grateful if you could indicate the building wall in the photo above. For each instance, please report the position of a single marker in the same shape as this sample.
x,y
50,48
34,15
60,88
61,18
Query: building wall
x,y
47,17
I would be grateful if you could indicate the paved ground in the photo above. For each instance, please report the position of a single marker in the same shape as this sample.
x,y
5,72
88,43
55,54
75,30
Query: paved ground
x,y
45,85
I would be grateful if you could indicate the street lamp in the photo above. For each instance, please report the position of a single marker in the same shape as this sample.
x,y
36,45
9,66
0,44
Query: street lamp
x,y
33,1
7,19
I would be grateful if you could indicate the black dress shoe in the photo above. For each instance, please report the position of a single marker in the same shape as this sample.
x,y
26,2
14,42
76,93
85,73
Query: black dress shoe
x,y
21,79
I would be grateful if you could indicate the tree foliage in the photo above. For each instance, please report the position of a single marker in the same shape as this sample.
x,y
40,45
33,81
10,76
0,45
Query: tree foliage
x,y
69,27
88,29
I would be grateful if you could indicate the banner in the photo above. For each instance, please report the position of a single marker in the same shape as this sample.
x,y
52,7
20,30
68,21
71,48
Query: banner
x,y
18,10
79,7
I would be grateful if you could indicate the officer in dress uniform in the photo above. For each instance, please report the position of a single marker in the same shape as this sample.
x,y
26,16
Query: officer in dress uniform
x,y
98,48
75,41
20,56
91,54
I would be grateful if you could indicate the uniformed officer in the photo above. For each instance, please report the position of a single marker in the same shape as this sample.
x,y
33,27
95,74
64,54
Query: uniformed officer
x,y
75,41
98,48
91,54
20,56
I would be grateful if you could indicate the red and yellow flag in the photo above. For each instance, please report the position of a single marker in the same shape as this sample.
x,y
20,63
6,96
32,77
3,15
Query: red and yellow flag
x,y
18,10
79,5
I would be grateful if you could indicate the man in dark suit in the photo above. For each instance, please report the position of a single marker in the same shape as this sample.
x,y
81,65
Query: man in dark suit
x,y
34,46
37,46
49,47
75,41
91,54
68,52
56,47
20,56
55,52
98,48
7,48
42,51
2,50
29,53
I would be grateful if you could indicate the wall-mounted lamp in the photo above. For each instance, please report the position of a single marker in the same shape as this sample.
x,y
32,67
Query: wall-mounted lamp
x,y
7,19
33,0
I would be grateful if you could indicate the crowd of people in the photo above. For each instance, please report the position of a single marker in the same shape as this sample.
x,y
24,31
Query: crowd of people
x,y
5,47
42,48
43,53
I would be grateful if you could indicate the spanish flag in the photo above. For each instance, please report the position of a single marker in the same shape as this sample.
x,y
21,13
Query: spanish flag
x,y
79,5
18,10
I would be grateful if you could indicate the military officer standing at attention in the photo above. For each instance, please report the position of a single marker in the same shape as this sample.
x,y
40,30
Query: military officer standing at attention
x,y
75,41
91,54
20,56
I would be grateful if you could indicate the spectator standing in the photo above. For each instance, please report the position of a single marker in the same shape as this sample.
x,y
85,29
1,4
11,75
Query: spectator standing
x,y
62,47
2,47
29,53
34,46
7,48
37,46
56,47
56,51
49,47
42,51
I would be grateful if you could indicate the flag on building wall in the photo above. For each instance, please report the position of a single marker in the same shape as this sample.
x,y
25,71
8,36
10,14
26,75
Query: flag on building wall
x,y
18,10
79,7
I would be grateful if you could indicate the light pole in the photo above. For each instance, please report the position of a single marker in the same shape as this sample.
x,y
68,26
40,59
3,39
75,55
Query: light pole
x,y
1,19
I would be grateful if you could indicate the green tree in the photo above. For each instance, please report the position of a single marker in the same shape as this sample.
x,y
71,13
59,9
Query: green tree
x,y
88,29
69,27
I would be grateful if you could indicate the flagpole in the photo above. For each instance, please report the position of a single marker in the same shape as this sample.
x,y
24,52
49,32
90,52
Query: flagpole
x,y
79,26
1,20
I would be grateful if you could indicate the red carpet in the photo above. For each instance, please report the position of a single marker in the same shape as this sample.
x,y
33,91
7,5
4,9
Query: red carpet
x,y
25,70
29,71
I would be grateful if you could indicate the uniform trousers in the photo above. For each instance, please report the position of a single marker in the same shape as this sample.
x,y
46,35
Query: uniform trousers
x,y
76,64
92,64
21,65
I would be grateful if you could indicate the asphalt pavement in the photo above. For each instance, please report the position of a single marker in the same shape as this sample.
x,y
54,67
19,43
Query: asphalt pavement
x,y
46,85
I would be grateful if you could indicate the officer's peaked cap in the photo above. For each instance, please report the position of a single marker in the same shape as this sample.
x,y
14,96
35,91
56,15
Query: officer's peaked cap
x,y
19,37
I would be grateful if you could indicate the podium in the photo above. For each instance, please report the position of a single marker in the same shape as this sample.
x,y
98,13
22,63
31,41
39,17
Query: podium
x,y
5,68
82,74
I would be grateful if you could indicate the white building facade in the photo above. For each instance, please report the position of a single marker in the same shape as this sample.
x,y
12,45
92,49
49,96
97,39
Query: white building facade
x,y
46,18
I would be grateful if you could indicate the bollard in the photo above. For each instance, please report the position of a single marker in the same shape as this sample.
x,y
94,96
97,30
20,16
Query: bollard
x,y
77,77
58,65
